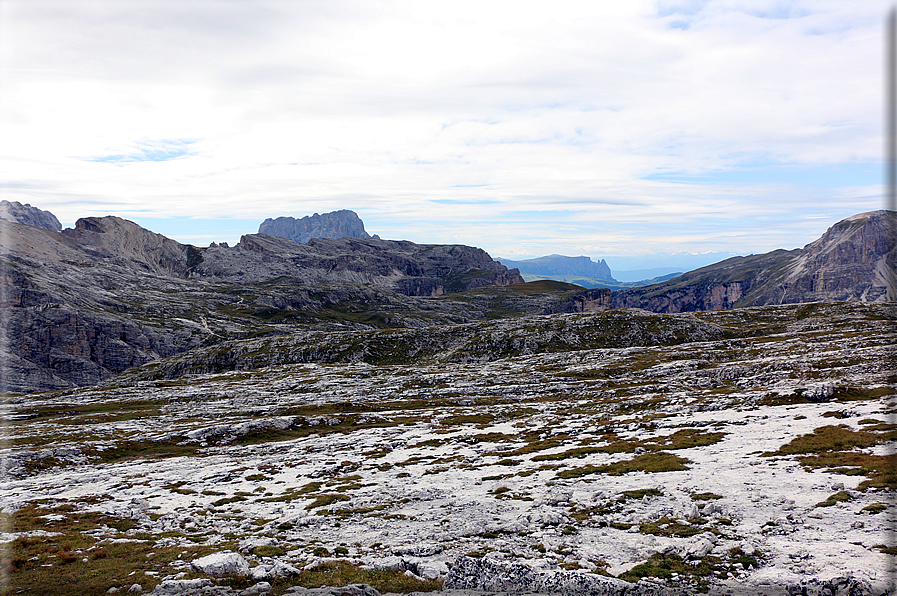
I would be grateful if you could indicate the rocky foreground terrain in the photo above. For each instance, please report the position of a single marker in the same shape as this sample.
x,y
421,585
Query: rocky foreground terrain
x,y
744,451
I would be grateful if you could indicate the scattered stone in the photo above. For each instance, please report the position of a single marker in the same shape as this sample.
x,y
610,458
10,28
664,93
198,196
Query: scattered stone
x,y
418,550
350,590
179,587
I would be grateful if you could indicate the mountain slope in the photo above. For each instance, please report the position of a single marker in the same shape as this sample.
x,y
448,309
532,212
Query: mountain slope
x,y
853,261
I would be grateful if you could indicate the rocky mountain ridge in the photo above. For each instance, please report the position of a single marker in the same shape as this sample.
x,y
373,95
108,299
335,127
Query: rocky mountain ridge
x,y
336,224
92,301
854,260
26,214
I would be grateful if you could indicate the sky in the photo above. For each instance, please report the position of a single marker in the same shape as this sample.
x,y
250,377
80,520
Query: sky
x,y
525,128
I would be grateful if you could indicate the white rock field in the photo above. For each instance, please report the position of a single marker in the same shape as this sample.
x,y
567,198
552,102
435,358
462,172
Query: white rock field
x,y
760,464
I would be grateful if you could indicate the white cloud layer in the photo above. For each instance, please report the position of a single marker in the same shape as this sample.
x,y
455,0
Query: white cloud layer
x,y
526,128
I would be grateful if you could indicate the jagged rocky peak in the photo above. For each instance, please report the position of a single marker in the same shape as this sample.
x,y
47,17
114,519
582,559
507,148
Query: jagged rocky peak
x,y
336,224
28,215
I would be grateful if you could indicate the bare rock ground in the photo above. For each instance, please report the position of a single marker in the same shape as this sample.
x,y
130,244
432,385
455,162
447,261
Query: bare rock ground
x,y
759,464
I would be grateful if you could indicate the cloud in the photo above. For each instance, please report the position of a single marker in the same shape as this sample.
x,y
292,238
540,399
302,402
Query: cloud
x,y
453,122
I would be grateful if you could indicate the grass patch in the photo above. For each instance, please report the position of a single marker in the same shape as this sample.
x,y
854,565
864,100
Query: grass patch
x,y
666,526
833,447
73,563
648,462
827,438
874,508
839,497
325,500
127,450
343,573
641,493
705,497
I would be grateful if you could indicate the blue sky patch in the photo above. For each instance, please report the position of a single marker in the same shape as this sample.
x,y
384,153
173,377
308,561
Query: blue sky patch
x,y
164,150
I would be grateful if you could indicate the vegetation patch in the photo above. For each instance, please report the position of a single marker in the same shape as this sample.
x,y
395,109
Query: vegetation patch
x,y
839,497
343,573
705,497
874,508
325,500
648,462
74,563
827,438
667,526
697,573
640,494
833,447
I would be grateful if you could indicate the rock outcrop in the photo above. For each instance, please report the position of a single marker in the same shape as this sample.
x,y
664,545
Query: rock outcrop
x,y
336,224
594,300
854,260
28,215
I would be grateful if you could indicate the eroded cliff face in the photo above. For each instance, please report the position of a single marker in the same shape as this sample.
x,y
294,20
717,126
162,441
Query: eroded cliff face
x,y
853,261
595,300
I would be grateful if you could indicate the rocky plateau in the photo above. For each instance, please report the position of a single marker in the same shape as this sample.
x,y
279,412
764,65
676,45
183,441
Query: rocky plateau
x,y
743,451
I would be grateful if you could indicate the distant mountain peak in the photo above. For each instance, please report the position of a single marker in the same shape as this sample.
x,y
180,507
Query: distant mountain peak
x,y
562,265
336,224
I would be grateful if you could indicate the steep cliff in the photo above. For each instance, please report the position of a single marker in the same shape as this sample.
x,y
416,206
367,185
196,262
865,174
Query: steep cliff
x,y
336,224
28,215
853,261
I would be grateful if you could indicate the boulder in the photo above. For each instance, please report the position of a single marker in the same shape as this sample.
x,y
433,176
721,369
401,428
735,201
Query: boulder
x,y
223,563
